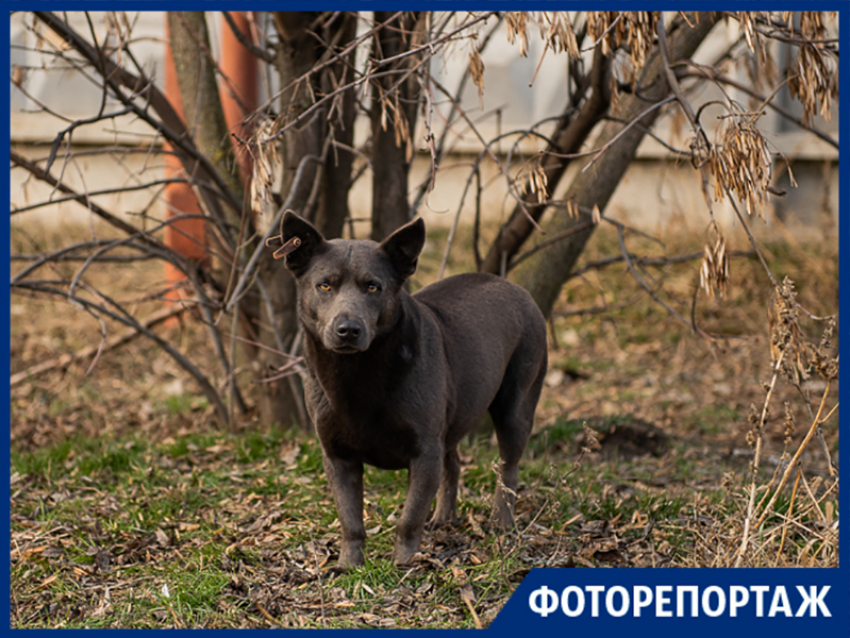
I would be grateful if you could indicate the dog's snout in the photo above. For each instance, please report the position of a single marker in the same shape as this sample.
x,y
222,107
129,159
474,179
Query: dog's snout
x,y
349,329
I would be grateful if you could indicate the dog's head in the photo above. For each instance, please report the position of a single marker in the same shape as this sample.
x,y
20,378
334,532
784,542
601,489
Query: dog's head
x,y
348,289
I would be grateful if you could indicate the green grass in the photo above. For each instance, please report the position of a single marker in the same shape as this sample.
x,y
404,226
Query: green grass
x,y
188,512
184,403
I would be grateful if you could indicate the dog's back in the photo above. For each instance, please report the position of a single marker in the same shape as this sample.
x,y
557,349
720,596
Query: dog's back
x,y
494,337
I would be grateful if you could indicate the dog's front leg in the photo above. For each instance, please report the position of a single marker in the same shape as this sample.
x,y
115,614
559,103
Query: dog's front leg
x,y
423,479
346,481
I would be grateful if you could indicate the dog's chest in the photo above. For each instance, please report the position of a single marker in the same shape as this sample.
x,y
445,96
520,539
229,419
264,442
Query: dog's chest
x,y
378,439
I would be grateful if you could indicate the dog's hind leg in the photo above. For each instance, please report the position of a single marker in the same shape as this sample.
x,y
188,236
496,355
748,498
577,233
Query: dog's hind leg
x,y
513,417
446,511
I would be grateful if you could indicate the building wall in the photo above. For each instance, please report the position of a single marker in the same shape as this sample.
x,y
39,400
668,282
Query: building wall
x,y
657,192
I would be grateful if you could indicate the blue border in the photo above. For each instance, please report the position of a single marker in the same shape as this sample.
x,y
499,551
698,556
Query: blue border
x,y
515,617
5,352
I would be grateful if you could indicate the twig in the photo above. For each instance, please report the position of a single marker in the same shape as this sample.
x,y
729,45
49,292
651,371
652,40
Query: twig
x,y
623,131
510,181
122,316
750,237
108,191
647,287
673,82
712,74
544,244
266,614
170,125
597,310
440,147
264,55
47,178
273,227
650,261
384,62
118,340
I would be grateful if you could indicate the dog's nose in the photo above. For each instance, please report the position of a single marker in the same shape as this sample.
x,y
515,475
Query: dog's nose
x,y
348,329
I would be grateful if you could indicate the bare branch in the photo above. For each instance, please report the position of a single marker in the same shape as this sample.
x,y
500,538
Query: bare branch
x,y
127,319
118,340
262,54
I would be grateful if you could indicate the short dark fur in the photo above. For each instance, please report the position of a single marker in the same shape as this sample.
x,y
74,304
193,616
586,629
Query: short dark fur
x,y
396,380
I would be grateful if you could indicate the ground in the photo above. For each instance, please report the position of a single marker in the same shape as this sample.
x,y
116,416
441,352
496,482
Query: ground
x,y
130,507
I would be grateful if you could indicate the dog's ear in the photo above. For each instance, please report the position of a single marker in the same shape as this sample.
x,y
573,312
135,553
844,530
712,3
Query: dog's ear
x,y
403,247
309,238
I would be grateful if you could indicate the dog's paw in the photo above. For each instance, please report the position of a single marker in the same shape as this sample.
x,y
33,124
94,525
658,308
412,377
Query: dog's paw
x,y
405,553
337,570
436,523
502,522
350,557
408,559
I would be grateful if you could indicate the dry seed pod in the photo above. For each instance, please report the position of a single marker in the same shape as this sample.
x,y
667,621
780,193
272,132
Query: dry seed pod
x,y
595,214
476,72
516,27
714,272
560,35
742,163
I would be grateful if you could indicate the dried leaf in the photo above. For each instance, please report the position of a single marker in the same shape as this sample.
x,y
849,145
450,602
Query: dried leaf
x,y
476,72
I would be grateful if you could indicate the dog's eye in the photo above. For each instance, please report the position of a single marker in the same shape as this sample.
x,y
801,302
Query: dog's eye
x,y
324,286
373,288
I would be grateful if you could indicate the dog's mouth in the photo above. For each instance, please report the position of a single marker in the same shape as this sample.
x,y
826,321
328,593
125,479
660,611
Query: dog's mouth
x,y
346,349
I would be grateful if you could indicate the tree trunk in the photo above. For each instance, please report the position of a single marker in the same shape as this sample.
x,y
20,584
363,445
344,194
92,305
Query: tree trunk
x,y
394,120
300,51
333,203
545,272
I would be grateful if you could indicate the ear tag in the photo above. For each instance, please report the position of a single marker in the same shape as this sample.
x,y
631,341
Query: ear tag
x,y
285,249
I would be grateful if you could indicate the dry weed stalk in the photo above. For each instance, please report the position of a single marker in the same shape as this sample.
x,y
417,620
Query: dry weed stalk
x,y
788,352
754,438
790,512
815,425
785,333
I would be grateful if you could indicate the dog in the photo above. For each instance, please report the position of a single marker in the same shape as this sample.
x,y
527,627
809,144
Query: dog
x,y
397,380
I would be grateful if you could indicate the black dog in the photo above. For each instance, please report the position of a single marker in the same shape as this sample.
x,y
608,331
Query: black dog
x,y
396,380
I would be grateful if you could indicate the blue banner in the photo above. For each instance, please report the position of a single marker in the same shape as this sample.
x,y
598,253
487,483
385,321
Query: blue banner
x,y
701,601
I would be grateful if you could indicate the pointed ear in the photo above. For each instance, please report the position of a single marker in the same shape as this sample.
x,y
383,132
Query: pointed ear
x,y
403,247
311,239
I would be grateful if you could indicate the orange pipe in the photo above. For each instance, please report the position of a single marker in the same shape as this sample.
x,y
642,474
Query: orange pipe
x,y
239,86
